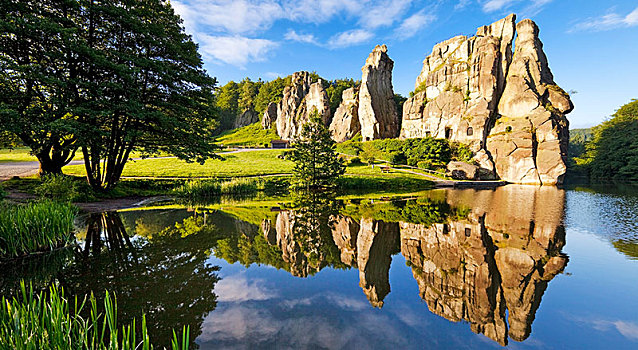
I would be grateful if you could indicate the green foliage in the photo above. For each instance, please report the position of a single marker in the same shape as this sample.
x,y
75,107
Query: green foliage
x,y
461,152
399,101
250,135
612,152
426,211
63,188
383,183
271,91
418,89
34,320
335,91
34,227
202,189
430,153
316,161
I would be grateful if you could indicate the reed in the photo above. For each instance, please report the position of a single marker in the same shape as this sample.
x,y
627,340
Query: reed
x,y
49,321
34,227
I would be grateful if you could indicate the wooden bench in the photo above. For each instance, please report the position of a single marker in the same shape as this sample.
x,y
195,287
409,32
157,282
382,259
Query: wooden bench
x,y
385,169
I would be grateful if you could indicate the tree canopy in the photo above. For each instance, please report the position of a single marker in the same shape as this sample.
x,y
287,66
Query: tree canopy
x,y
106,76
612,151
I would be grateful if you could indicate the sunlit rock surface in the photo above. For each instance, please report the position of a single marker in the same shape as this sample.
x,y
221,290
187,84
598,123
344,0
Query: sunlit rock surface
x,y
504,104
377,111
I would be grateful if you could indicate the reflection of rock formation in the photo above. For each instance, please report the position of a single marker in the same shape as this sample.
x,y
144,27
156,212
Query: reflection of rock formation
x,y
376,243
501,257
344,234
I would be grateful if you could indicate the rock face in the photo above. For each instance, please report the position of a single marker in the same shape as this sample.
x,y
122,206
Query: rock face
x,y
270,116
377,110
504,105
248,117
299,100
462,171
345,122
530,139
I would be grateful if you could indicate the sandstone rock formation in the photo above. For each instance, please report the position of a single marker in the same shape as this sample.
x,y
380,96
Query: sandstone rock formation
x,y
248,117
300,99
377,110
529,141
345,122
504,105
270,116
462,171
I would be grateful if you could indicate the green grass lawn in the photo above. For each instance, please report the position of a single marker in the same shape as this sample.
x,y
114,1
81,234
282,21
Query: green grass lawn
x,y
251,135
250,163
16,155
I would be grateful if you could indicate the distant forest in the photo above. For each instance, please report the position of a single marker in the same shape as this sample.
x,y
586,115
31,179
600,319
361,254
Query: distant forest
x,y
233,99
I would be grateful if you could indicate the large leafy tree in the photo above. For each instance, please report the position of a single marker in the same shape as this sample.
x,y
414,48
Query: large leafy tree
x,y
612,151
109,76
148,90
317,164
39,61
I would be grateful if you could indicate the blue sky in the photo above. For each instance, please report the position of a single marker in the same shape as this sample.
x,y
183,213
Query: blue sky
x,y
592,46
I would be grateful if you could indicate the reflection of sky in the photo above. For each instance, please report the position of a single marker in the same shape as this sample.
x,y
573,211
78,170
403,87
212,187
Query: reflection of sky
x,y
592,305
265,308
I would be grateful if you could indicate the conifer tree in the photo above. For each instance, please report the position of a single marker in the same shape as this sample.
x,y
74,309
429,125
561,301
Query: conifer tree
x,y
317,164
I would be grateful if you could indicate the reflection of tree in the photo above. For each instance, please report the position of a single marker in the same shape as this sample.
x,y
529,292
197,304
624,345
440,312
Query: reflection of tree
x,y
167,278
39,270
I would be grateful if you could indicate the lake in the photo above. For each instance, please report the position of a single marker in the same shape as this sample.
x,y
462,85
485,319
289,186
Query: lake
x,y
518,266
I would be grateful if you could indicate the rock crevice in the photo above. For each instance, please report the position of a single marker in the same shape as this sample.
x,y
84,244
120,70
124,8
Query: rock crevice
x,y
503,103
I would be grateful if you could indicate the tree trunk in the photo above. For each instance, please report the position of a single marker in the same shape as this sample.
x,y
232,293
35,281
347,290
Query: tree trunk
x,y
49,166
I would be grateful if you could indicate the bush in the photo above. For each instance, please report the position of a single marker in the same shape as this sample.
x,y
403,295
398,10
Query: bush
x,y
35,227
50,321
3,193
240,186
355,161
63,188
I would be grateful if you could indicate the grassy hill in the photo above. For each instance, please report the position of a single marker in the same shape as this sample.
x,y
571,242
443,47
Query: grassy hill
x,y
251,135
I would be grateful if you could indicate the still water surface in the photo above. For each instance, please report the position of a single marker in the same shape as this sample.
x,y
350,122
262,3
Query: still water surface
x,y
518,266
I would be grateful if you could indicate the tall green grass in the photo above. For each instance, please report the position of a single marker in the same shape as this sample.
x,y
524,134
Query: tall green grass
x,y
237,186
34,227
49,321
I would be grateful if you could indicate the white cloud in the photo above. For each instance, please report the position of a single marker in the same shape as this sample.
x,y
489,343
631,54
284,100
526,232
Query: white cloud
x,y
413,24
231,16
534,8
319,11
350,38
383,13
462,4
236,50
496,5
609,21
237,288
302,38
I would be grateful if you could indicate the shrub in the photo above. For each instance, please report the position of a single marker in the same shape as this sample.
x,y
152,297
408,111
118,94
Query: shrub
x,y
461,152
35,227
355,161
63,188
3,193
50,321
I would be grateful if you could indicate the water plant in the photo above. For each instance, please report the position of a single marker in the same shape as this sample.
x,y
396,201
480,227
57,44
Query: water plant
x,y
49,321
34,227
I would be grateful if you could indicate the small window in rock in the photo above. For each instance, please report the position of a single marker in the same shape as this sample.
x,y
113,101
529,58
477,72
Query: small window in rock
x,y
448,133
428,134
508,129
445,229
470,131
468,232
367,139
